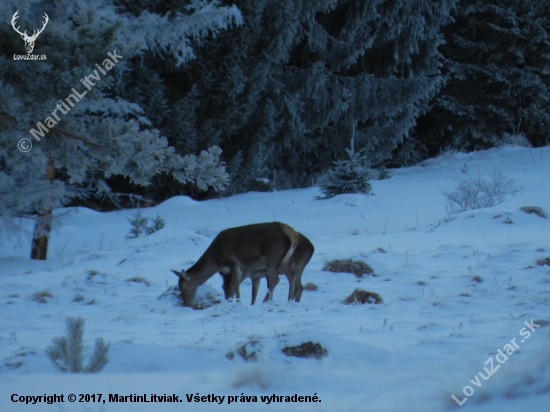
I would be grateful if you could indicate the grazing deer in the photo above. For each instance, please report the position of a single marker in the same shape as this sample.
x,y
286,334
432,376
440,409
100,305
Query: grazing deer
x,y
298,261
261,246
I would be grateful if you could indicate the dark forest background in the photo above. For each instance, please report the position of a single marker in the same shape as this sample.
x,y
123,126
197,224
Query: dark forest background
x,y
214,98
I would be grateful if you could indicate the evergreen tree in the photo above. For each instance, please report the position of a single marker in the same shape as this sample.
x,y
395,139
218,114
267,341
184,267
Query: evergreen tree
x,y
83,140
281,89
323,65
347,176
497,57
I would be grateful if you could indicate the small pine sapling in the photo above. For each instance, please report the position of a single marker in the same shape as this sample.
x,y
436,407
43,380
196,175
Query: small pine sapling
x,y
141,225
66,352
347,176
138,223
157,224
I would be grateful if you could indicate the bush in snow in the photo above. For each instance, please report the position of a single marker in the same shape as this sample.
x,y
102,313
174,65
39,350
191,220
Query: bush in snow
x,y
347,176
470,193
513,139
140,225
66,352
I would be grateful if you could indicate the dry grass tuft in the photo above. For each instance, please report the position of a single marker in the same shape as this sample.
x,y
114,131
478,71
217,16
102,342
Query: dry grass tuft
x,y
312,287
306,350
360,296
357,267
139,279
40,297
246,351
477,279
534,209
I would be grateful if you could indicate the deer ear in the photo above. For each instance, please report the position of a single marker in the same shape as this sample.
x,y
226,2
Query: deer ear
x,y
181,274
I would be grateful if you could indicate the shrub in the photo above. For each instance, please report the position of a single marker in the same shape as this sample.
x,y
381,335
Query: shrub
x,y
140,225
66,351
470,193
512,139
347,176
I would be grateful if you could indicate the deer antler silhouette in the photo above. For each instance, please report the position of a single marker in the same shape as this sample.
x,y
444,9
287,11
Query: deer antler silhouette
x,y
29,40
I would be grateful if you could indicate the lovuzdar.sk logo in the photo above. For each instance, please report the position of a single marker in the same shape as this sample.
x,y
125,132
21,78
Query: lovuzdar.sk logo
x,y
29,40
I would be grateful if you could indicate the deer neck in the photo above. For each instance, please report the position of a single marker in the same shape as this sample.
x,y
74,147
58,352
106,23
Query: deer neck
x,y
203,269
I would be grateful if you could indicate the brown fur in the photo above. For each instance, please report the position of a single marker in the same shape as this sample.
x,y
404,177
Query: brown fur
x,y
298,261
261,246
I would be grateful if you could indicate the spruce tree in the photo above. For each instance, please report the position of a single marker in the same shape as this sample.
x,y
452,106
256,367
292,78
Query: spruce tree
x,y
286,84
347,176
99,135
497,54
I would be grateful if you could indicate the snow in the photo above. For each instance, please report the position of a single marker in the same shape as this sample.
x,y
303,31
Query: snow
x,y
430,338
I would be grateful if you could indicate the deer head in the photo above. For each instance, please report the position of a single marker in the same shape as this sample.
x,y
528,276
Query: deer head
x,y
187,288
29,40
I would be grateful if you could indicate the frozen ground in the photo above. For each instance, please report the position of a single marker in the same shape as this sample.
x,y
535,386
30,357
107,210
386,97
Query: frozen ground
x,y
430,338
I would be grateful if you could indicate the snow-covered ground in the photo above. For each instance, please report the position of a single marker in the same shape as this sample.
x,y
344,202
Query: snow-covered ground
x,y
430,339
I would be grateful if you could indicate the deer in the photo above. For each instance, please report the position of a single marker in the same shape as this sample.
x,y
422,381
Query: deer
x,y
261,246
29,40
298,261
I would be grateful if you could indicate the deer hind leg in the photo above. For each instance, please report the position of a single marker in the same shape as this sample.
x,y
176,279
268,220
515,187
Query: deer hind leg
x,y
298,289
272,281
255,288
291,276
236,274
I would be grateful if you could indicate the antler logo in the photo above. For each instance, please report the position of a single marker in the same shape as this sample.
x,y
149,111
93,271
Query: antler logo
x,y
29,40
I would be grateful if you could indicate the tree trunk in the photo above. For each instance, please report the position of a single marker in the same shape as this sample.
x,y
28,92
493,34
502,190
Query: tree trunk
x,y
43,225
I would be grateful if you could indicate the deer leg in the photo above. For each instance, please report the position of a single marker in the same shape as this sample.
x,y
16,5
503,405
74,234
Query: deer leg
x,y
272,281
255,288
299,288
236,274
291,286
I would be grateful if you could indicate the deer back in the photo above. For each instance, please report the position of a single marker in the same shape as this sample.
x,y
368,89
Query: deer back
x,y
261,246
